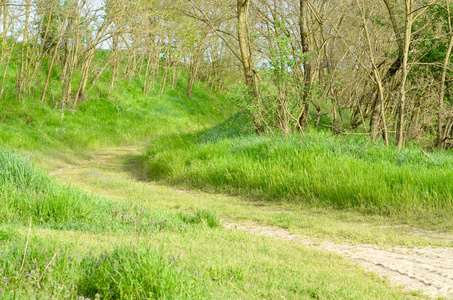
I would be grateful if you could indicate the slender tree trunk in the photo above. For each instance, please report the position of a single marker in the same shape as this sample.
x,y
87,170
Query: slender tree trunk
x,y
250,80
440,120
396,65
407,41
166,69
7,58
85,74
378,109
72,57
36,64
302,119
5,12
146,81
193,71
54,55
164,81
96,78
24,51
115,65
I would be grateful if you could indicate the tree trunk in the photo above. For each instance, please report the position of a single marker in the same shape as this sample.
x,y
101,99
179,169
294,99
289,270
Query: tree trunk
x,y
302,119
5,12
440,120
115,65
8,58
85,74
396,65
24,51
407,41
193,70
54,55
250,80
378,106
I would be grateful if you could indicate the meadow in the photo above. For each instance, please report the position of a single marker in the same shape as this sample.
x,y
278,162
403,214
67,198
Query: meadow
x,y
99,233
61,242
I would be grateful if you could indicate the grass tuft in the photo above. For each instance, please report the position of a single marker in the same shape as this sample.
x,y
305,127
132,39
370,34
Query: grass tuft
x,y
128,273
205,217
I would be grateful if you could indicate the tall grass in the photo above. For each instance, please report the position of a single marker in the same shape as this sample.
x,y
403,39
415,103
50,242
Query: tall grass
x,y
28,193
46,269
341,172
38,268
128,273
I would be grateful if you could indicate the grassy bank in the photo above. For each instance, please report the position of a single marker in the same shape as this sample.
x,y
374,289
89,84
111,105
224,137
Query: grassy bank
x,y
317,169
127,116
30,195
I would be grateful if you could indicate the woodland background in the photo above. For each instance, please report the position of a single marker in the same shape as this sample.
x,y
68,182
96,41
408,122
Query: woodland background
x,y
377,68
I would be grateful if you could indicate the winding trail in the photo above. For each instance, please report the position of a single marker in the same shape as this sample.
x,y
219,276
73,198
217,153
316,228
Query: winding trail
x,y
426,269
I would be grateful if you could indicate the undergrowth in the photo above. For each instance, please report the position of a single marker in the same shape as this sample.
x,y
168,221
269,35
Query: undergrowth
x,y
128,273
32,198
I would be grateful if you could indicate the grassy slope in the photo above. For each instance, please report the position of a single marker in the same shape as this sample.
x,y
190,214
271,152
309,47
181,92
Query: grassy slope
x,y
127,116
317,169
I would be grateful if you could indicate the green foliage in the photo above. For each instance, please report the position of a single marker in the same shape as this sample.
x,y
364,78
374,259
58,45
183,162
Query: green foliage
x,y
29,193
42,268
19,172
128,273
205,217
432,46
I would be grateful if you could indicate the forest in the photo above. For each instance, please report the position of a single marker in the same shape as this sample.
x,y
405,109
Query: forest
x,y
195,149
376,68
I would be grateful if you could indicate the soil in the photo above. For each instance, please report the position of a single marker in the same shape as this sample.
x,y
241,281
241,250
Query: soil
x,y
425,269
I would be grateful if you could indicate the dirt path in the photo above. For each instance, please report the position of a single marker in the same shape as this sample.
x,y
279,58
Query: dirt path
x,y
425,269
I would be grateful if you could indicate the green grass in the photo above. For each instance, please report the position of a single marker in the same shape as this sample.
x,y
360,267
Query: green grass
x,y
113,175
125,249
201,264
127,116
29,194
128,273
136,241
316,169
48,269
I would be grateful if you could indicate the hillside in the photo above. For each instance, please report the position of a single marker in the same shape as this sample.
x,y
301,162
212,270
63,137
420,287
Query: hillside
x,y
116,221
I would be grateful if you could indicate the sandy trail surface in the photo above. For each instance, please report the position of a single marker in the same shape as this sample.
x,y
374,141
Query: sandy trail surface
x,y
426,269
